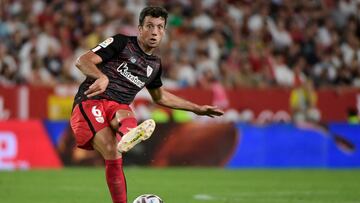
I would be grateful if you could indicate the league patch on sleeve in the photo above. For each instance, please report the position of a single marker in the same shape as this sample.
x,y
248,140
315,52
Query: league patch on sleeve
x,y
106,42
96,49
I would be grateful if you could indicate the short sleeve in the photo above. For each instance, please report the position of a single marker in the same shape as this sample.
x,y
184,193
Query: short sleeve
x,y
109,47
156,82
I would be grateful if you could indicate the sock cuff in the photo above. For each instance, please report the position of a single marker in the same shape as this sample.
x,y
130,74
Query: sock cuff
x,y
114,162
126,124
128,119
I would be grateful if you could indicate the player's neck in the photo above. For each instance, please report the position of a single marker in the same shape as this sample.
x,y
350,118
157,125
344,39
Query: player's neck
x,y
147,50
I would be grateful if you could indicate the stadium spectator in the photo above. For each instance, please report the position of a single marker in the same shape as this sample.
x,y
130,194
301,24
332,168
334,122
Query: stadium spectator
x,y
8,68
184,72
303,101
324,33
306,115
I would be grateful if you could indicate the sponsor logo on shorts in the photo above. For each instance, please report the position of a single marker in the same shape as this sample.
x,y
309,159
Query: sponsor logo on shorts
x,y
99,119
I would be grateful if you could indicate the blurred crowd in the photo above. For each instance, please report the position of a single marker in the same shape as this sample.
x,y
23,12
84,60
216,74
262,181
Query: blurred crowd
x,y
234,43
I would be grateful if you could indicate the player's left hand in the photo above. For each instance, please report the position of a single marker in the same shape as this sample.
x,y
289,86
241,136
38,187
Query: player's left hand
x,y
210,111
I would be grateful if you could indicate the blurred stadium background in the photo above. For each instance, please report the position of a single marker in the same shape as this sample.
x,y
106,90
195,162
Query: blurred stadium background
x,y
287,74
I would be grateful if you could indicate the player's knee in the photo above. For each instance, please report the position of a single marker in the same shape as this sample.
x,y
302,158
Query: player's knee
x,y
119,117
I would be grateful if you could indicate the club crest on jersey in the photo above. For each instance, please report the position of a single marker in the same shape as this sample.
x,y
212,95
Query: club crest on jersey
x,y
123,70
133,59
149,70
106,42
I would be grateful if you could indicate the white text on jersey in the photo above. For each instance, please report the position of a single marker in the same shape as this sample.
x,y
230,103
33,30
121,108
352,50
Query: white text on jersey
x,y
123,70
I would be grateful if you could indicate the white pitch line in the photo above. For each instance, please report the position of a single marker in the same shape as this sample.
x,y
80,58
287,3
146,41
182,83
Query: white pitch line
x,y
204,197
261,196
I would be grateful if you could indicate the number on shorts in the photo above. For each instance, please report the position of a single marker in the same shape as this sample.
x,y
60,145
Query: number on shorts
x,y
96,112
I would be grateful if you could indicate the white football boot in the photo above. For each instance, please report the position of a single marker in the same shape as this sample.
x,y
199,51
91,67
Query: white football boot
x,y
136,135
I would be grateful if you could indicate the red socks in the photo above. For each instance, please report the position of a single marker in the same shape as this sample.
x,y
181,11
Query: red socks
x,y
114,173
116,180
126,124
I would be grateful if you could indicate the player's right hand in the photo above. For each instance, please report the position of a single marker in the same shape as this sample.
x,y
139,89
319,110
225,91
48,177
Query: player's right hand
x,y
98,87
210,111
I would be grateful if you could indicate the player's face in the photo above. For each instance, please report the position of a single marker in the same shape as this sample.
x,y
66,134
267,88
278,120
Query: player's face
x,y
152,31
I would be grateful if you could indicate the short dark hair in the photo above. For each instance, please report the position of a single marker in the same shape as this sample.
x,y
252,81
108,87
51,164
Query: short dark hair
x,y
153,11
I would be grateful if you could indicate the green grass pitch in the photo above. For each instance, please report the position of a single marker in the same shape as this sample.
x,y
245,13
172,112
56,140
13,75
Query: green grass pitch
x,y
184,185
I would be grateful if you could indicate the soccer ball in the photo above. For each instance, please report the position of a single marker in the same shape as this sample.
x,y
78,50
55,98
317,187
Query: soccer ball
x,y
148,198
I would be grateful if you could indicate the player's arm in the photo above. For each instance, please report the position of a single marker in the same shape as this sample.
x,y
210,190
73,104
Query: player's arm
x,y
167,99
86,63
101,53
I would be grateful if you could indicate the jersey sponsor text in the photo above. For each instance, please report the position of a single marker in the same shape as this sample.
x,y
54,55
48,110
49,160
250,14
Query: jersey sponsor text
x,y
123,70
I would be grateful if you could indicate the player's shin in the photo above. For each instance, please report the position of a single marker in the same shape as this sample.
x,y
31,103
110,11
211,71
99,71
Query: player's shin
x,y
116,180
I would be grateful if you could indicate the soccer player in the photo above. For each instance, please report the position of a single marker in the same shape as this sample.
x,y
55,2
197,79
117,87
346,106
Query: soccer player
x,y
117,69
